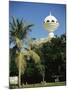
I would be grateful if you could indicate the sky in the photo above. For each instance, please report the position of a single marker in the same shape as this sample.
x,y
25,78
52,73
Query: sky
x,y
35,13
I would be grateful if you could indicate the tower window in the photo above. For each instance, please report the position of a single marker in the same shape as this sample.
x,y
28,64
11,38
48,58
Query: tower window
x,y
52,21
48,21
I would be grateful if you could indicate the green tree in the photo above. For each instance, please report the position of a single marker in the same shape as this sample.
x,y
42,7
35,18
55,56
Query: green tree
x,y
53,56
54,53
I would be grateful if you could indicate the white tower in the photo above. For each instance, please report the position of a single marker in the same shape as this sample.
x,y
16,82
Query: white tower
x,y
51,24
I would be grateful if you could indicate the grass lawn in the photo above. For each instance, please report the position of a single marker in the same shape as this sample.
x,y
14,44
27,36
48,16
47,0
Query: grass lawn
x,y
43,84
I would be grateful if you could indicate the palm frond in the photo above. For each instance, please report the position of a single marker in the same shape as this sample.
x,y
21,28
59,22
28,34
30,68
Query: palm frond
x,y
34,56
26,30
14,21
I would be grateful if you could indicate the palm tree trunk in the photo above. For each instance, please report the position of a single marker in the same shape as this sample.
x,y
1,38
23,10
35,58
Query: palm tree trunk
x,y
43,76
19,77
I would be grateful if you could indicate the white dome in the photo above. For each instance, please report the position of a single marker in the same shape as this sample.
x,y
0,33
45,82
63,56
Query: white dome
x,y
51,23
50,18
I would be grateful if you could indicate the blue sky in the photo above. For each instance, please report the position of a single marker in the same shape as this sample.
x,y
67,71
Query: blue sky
x,y
35,13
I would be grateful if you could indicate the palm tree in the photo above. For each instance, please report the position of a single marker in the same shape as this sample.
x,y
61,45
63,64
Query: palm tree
x,y
19,31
